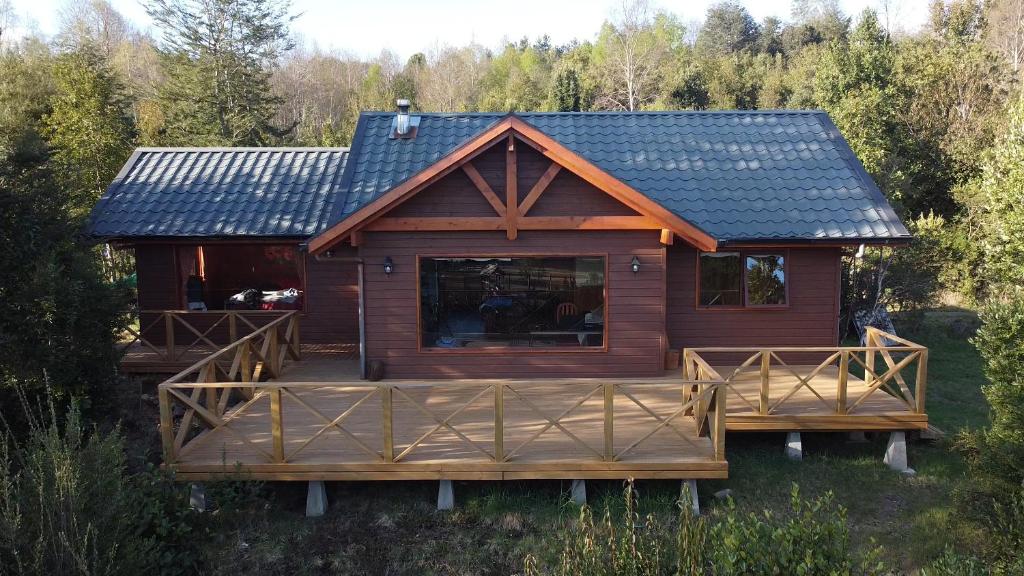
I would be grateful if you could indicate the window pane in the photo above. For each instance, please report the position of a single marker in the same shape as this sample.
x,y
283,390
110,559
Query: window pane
x,y
766,280
720,278
522,302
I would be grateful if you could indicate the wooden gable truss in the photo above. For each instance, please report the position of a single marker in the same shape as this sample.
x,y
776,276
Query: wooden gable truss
x,y
512,215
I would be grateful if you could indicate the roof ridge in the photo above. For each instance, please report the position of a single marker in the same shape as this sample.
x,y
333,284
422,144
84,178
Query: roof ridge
x,y
243,149
760,112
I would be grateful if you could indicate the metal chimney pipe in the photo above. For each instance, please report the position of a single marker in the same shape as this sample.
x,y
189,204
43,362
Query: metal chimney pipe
x,y
402,120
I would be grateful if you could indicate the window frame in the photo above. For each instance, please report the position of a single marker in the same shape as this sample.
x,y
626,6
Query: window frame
x,y
421,349
744,304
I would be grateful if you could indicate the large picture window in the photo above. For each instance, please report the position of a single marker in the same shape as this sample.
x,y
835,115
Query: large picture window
x,y
521,302
736,280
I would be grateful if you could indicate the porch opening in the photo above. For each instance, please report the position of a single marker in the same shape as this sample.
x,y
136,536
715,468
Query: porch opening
x,y
240,277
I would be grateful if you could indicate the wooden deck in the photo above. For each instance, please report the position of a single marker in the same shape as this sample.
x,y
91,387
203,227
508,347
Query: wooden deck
x,y
265,407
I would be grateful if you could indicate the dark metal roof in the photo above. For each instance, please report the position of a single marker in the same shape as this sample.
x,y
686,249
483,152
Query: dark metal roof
x,y
737,175
220,192
740,176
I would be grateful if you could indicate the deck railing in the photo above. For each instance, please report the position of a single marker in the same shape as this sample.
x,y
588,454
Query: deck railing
x,y
700,398
881,362
172,334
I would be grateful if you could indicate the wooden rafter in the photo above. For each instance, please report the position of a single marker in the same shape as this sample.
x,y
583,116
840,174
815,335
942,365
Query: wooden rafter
x,y
539,188
484,188
513,130
511,188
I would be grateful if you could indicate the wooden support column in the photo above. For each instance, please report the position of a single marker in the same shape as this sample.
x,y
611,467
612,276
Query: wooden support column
x,y
922,379
499,422
232,327
844,375
168,336
276,425
609,421
389,439
766,370
511,189
166,425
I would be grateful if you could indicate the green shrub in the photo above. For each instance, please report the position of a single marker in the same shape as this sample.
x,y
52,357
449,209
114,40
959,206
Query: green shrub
x,y
998,451
68,506
952,563
811,539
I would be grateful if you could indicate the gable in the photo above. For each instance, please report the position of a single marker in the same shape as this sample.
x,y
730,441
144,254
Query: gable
x,y
737,176
546,160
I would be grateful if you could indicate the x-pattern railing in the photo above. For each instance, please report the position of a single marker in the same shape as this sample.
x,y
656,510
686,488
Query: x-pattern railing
x,y
700,404
897,354
172,334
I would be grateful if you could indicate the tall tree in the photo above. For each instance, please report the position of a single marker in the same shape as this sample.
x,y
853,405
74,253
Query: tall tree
x,y
218,57
728,28
89,127
633,55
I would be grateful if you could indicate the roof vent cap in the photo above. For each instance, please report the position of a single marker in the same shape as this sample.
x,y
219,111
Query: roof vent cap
x,y
404,126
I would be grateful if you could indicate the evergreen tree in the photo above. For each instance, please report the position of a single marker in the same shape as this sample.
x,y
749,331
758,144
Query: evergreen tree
x,y
566,92
218,56
89,127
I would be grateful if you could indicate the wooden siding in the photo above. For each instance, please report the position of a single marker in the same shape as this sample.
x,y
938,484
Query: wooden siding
x,y
156,277
568,194
636,305
332,302
809,320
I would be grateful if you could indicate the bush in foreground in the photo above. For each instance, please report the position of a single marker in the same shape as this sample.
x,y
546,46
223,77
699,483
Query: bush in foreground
x,y
68,506
812,538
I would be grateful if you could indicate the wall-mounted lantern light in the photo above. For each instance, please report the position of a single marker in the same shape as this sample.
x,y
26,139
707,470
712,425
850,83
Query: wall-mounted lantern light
x,y
636,265
389,266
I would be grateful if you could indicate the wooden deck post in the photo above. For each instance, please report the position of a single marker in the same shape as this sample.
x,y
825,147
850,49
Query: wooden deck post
x,y
922,379
166,425
273,351
276,424
499,422
168,336
232,326
293,339
766,368
609,421
844,376
389,439
719,424
870,340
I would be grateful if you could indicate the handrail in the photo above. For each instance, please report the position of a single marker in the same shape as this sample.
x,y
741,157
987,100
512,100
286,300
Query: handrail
x,y
703,398
888,379
176,321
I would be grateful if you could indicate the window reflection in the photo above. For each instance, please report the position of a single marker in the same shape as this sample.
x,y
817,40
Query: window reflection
x,y
512,302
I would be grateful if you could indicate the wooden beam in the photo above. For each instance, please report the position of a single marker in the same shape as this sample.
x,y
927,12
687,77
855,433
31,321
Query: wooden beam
x,y
610,185
588,223
356,238
403,191
539,188
484,188
667,236
511,188
422,224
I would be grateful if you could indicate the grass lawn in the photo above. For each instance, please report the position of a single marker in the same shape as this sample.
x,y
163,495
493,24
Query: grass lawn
x,y
392,528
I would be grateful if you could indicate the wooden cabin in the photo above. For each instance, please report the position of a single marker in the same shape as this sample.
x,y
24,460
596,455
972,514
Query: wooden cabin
x,y
591,268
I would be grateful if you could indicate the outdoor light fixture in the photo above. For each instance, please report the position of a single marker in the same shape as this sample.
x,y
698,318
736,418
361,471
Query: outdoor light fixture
x,y
389,266
636,265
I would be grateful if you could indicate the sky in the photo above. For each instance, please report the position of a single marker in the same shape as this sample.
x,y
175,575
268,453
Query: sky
x,y
365,28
